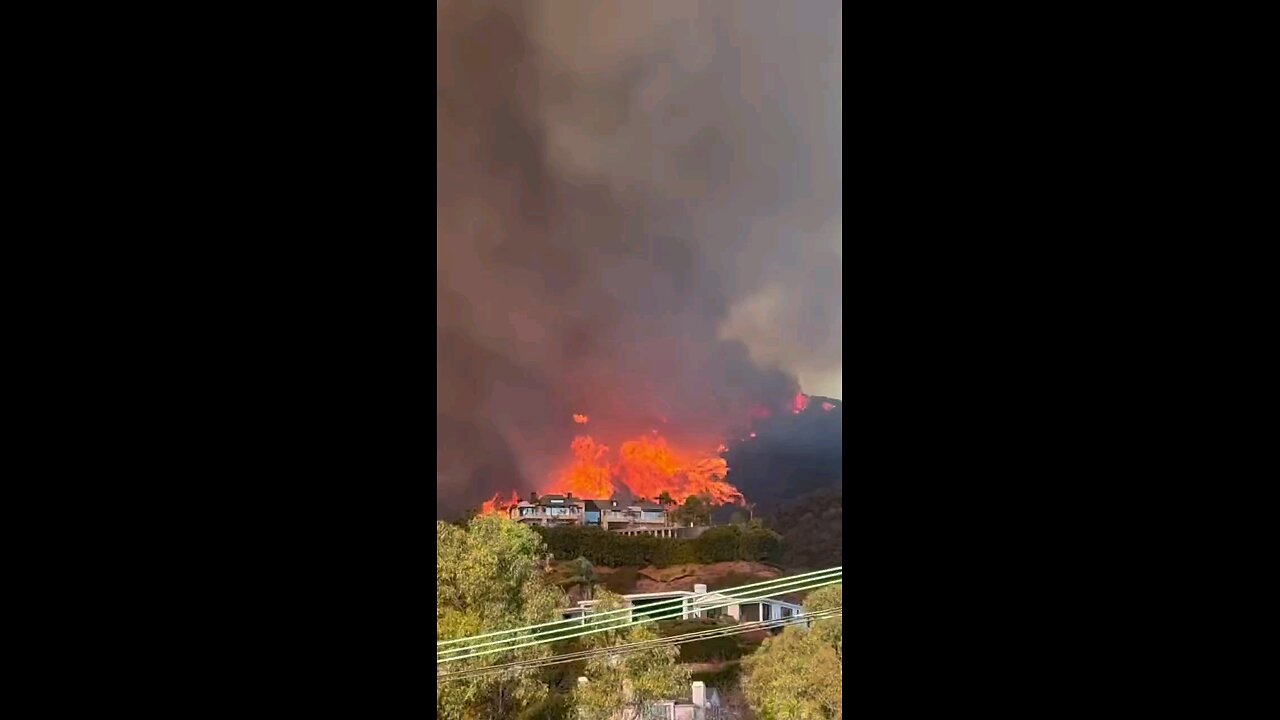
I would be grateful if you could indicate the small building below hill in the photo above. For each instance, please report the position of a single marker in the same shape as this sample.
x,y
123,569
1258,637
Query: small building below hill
x,y
695,604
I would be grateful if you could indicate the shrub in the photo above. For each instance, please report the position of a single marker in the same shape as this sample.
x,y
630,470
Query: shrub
x,y
724,543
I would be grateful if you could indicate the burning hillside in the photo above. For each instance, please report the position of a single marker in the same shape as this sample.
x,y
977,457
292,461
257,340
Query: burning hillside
x,y
650,464
644,467
638,216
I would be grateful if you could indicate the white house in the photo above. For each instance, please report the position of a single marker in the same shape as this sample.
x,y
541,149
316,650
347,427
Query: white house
x,y
693,604
701,700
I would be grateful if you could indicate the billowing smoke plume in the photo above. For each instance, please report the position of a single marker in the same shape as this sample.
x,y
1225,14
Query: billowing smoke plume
x,y
638,218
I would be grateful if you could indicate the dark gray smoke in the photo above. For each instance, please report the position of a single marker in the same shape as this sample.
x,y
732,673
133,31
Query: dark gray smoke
x,y
638,217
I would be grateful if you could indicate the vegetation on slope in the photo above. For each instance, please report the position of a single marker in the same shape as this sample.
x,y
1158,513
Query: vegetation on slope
x,y
718,544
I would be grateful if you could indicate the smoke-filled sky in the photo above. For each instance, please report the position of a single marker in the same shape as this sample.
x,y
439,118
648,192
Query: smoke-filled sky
x,y
638,217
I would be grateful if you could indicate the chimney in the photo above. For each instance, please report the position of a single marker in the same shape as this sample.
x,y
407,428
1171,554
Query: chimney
x,y
699,694
700,588
568,497
533,497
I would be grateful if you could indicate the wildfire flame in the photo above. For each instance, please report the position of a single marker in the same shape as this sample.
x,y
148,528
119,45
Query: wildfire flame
x,y
498,506
648,466
800,402
590,475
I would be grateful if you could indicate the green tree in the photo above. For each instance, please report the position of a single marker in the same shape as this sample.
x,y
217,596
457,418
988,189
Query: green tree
x,y
829,631
491,576
696,510
798,674
664,498
583,575
634,679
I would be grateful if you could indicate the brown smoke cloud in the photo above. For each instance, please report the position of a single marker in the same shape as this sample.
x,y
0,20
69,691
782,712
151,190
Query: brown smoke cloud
x,y
638,215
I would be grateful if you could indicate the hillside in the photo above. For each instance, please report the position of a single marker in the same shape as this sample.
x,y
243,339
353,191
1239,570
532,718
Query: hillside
x,y
790,456
715,576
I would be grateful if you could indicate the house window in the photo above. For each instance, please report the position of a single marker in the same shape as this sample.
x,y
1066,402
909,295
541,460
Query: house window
x,y
786,612
766,611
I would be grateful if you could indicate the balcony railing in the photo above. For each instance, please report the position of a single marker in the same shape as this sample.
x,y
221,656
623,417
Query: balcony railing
x,y
542,515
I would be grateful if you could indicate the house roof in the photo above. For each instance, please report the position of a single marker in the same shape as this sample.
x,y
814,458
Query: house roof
x,y
650,506
557,500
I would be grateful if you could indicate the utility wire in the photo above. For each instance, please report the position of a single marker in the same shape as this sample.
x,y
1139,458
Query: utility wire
x,y
613,612
599,619
642,645
647,616
655,642
643,619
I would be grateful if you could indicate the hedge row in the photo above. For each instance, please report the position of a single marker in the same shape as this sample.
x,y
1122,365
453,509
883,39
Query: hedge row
x,y
724,543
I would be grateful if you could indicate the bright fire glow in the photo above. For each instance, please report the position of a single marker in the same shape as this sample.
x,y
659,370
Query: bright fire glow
x,y
828,406
648,466
800,402
498,506
590,475
580,419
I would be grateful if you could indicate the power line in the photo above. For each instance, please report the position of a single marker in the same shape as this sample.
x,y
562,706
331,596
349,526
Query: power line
x,y
599,619
693,636
644,619
620,623
613,612
680,639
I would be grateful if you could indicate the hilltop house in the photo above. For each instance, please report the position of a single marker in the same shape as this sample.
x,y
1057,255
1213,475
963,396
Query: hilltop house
x,y
636,518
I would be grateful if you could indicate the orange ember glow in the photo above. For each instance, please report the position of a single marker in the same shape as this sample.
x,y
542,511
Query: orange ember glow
x,y
590,475
828,406
800,402
648,466
753,434
580,419
498,506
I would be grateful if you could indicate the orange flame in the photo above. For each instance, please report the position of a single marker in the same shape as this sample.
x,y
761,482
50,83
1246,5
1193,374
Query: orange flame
x,y
498,506
590,474
800,402
647,466
580,419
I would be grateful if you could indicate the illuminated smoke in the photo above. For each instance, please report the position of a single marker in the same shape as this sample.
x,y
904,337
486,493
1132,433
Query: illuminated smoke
x,y
638,212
